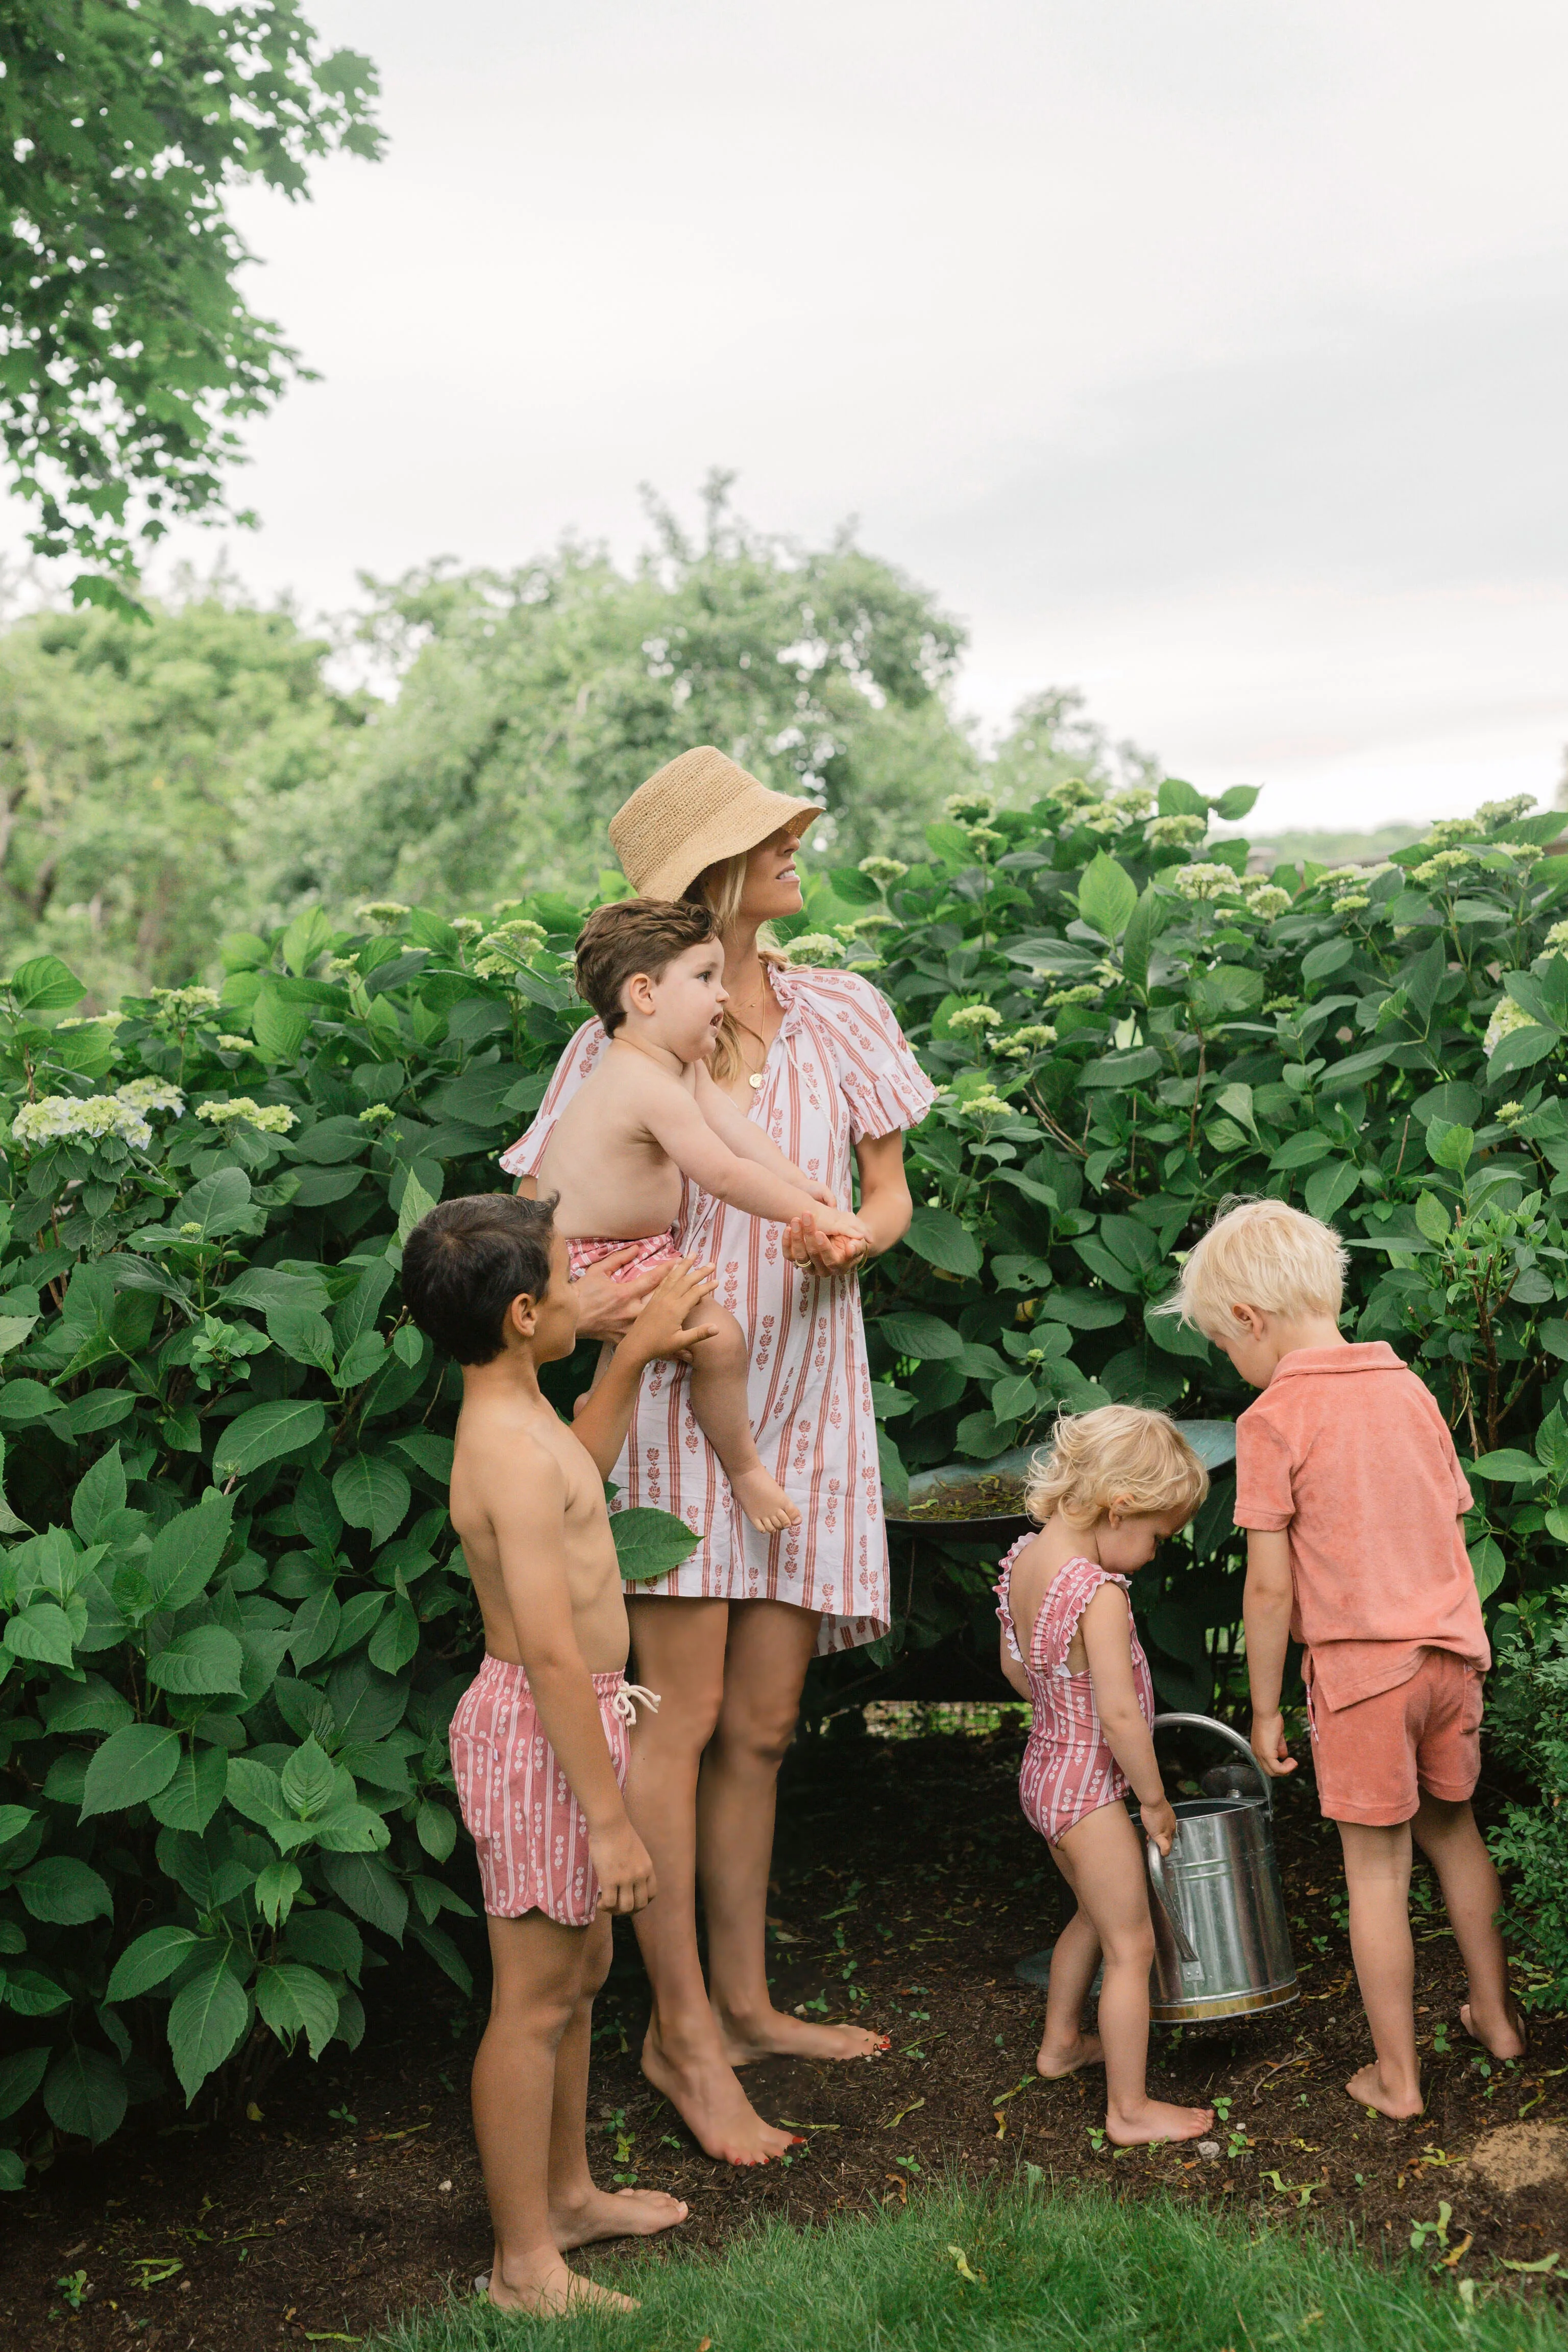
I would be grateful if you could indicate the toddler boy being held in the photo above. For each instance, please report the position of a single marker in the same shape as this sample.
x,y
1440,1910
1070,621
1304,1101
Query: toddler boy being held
x,y
1352,1494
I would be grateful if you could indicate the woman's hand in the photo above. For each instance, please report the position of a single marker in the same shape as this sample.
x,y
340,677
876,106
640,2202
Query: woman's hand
x,y
825,1254
606,1309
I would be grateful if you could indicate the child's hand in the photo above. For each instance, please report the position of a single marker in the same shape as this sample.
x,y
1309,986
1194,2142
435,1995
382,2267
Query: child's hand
x,y
661,1327
823,1193
835,1222
627,1882
1159,1822
1267,1740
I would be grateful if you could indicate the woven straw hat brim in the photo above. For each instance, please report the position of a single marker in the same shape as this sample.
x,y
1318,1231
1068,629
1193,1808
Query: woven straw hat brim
x,y
699,810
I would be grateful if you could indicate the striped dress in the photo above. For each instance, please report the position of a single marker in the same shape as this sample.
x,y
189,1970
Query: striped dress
x,y
838,1071
1068,1769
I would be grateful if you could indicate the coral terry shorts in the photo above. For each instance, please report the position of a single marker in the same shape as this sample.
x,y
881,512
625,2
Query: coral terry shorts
x,y
1375,1761
652,1250
517,1804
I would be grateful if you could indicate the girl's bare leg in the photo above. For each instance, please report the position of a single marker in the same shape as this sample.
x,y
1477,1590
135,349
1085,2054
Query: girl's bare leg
x,y
1106,1855
579,2211
680,1651
1447,1836
1064,2044
719,1400
771,1644
538,1975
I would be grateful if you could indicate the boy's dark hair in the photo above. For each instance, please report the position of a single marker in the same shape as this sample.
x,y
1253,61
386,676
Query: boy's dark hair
x,y
466,1260
637,934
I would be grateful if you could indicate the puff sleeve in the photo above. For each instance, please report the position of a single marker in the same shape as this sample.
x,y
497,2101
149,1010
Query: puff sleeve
x,y
883,1084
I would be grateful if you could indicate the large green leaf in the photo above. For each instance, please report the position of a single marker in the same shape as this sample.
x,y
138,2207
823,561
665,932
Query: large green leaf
x,y
42,1631
65,1892
938,1236
373,1493
924,1336
186,1552
85,2092
194,1791
650,1543
43,984
266,1433
207,2021
1107,895
131,1766
219,1205
204,1661
294,1999
20,2075
364,1883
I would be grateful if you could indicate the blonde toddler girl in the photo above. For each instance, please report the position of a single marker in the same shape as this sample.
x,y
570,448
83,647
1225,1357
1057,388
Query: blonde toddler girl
x,y
1111,1486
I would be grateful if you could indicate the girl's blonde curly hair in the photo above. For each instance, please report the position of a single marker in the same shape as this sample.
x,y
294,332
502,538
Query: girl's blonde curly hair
x,y
1119,1455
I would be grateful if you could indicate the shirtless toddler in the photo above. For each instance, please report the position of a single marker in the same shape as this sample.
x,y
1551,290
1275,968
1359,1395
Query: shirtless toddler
x,y
647,1118
539,1740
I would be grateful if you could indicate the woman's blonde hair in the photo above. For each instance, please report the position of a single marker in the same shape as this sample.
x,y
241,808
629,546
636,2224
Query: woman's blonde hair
x,y
1121,1456
721,888
1261,1253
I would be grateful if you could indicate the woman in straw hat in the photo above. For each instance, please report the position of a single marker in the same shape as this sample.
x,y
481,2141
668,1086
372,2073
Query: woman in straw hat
x,y
817,1057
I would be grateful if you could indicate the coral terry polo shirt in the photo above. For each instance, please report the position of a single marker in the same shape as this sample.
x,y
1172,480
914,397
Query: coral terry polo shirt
x,y
1347,1452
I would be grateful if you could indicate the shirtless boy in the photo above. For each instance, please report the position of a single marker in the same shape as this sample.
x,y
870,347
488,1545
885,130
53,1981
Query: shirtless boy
x,y
539,1740
650,1116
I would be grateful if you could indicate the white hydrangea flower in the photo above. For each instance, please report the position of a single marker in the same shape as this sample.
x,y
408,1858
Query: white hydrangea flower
x,y
232,1042
1205,882
272,1118
1523,852
1106,818
883,870
1352,903
56,1118
864,924
376,1115
1557,937
1032,1038
467,927
985,1103
974,1019
1135,800
1176,832
970,807
815,947
1072,793
150,1094
1507,1016
1504,812
382,910
185,1003
1268,902
1442,866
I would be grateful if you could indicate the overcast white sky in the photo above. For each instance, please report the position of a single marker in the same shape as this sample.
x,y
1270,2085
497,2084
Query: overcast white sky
x,y
1210,355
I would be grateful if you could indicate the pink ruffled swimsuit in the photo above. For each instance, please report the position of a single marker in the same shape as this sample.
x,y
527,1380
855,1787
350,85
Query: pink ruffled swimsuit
x,y
1068,1769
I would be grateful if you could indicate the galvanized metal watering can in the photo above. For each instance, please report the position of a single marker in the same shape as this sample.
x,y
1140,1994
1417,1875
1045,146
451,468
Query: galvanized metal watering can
x,y
1221,1945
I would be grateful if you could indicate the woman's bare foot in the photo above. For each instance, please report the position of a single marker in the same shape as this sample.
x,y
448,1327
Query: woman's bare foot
x,y
776,2034
620,2213
763,1501
546,2289
1395,2099
715,2110
1502,2036
1154,2120
1056,2059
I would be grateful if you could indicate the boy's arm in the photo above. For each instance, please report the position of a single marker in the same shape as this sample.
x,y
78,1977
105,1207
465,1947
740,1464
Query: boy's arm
x,y
1266,1617
661,1330
1107,1628
676,1124
527,1504
748,1141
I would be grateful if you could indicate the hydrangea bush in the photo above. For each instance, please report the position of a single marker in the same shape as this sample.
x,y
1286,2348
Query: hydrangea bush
x,y
231,1628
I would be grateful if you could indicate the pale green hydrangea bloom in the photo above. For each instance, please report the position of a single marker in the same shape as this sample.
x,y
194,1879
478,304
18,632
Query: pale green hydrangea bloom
x,y
384,911
341,968
234,1045
1135,800
1267,902
185,1003
1509,1114
1205,882
985,1103
971,807
1442,866
1523,853
1082,993
1177,832
467,927
974,1019
1072,793
815,947
56,1118
1507,1016
1354,903
272,1118
1032,1038
1492,813
92,1021
150,1094
1557,937
376,1115
884,870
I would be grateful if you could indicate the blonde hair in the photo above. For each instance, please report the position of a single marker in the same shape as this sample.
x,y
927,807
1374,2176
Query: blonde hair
x,y
721,888
1261,1253
1121,1457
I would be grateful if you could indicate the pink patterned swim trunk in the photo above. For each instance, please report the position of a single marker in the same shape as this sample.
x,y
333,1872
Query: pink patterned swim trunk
x,y
517,1804
652,1250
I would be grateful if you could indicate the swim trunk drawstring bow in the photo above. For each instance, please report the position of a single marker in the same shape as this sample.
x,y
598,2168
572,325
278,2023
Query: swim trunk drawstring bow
x,y
630,1696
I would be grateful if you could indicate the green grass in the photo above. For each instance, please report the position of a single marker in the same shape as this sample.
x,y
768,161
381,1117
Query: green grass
x,y
1066,2270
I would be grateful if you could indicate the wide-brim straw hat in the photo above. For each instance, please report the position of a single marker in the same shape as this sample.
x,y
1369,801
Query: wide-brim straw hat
x,y
695,811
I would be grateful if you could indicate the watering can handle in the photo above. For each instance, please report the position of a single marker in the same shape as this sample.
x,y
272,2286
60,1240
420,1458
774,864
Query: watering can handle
x,y
1167,1903
1222,1731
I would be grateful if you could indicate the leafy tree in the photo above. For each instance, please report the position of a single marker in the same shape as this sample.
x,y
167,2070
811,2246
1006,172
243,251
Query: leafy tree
x,y
127,354
140,767
532,702
1051,741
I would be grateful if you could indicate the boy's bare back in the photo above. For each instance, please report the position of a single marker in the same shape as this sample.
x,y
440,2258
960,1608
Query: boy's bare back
x,y
605,1158
528,1504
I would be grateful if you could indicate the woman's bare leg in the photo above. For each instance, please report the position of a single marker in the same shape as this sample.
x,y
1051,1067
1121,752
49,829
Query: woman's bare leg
x,y
770,1646
1064,2044
717,1384
680,1651
1106,1857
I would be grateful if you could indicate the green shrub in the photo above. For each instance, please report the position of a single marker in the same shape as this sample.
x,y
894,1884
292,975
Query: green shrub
x,y
231,1630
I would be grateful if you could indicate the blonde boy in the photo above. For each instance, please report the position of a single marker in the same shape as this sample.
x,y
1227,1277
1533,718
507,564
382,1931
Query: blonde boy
x,y
1352,1498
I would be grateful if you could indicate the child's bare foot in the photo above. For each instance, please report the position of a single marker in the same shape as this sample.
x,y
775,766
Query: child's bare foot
x,y
763,1501
1391,2097
625,2214
704,2091
1502,2034
776,2034
1154,2120
1060,2058
546,2289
